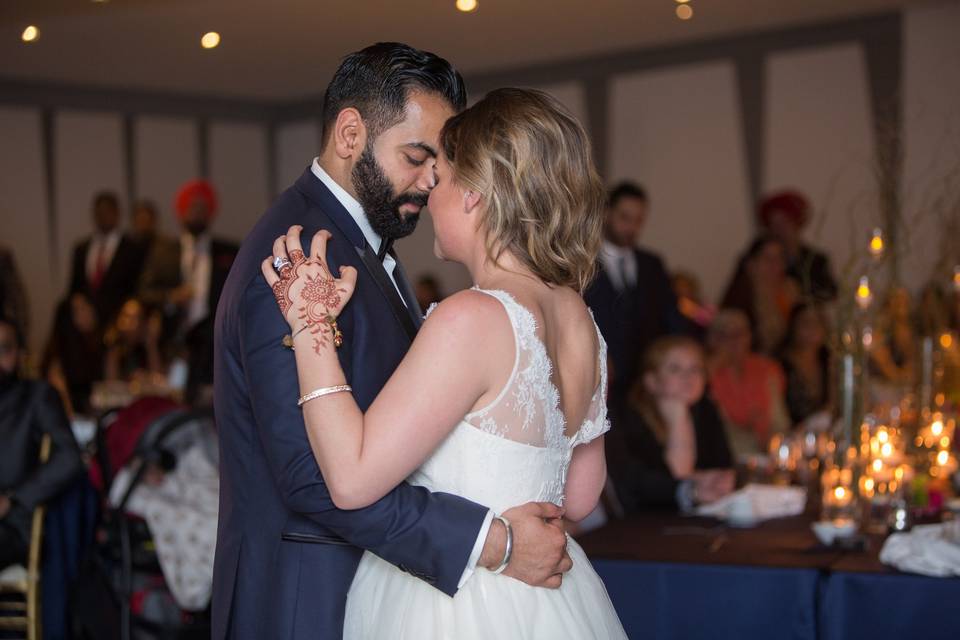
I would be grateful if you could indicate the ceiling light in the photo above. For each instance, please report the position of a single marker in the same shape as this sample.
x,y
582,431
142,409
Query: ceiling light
x,y
467,5
682,1
30,34
684,11
210,40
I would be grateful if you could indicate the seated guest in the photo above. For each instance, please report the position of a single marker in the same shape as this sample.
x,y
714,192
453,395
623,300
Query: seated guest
x,y
133,345
73,358
762,290
747,387
184,277
630,297
805,359
29,410
668,447
783,215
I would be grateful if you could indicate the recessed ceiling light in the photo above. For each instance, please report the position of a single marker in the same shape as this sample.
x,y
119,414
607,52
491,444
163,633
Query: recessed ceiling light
x,y
684,11
210,40
467,5
682,1
30,34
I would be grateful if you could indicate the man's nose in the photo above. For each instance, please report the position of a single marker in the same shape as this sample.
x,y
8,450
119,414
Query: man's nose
x,y
427,179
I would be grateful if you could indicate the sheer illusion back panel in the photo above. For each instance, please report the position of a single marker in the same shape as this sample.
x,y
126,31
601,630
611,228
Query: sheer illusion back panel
x,y
528,409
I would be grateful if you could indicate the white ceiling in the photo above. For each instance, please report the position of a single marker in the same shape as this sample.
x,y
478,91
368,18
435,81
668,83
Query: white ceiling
x,y
283,49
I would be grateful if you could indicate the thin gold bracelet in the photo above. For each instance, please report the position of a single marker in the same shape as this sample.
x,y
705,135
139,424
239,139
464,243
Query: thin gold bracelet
x,y
322,391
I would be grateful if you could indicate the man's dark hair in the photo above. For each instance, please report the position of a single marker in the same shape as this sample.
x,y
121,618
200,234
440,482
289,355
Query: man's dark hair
x,y
626,190
377,82
106,197
146,205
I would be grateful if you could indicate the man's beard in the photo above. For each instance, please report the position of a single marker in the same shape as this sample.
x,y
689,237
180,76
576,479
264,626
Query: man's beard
x,y
379,201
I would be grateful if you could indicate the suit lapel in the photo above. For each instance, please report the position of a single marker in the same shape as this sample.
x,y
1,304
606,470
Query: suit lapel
x,y
400,311
409,296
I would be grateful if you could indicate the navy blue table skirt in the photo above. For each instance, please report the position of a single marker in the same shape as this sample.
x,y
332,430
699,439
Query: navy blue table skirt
x,y
690,601
872,606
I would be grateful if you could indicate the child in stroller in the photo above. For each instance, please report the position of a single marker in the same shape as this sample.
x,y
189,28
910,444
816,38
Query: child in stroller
x,y
154,560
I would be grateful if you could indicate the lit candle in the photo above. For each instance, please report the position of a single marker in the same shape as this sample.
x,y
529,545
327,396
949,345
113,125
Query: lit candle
x,y
864,295
876,243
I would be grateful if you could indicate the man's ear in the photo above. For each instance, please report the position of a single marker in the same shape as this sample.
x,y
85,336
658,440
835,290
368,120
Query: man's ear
x,y
349,134
471,200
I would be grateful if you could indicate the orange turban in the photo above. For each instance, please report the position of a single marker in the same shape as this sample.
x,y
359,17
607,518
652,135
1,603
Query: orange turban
x,y
793,204
192,191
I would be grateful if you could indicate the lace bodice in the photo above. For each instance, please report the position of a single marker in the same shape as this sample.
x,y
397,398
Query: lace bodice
x,y
516,449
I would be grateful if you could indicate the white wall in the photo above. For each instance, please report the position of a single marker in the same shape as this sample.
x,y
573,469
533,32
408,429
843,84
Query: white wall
x,y
819,139
166,156
87,158
297,143
238,171
24,215
931,130
677,131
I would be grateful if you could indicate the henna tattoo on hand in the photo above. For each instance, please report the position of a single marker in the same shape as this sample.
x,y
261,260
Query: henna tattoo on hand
x,y
280,289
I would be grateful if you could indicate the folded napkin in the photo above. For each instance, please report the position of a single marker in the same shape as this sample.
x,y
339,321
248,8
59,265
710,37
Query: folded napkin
x,y
755,503
924,550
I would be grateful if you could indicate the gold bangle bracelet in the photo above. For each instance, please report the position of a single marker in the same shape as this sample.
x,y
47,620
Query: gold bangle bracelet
x,y
322,391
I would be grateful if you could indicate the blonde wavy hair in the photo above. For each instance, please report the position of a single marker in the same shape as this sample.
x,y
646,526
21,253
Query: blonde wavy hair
x,y
531,160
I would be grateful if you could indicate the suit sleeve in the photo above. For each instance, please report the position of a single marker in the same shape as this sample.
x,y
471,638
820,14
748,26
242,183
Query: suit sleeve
x,y
64,464
431,535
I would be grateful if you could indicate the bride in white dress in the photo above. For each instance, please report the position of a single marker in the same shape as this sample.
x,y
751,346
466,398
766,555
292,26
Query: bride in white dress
x,y
502,396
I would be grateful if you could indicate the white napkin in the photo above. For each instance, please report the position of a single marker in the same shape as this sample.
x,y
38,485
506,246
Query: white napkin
x,y
923,550
755,503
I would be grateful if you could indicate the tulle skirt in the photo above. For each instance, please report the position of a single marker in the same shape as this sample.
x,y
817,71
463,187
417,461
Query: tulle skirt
x,y
387,603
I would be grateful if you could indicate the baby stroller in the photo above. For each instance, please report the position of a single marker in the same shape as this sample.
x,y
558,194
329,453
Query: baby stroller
x,y
126,593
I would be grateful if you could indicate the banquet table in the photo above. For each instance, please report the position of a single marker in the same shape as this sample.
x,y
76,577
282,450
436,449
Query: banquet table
x,y
671,576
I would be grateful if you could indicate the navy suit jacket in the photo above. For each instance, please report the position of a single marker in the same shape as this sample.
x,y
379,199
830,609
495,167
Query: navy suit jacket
x,y
285,554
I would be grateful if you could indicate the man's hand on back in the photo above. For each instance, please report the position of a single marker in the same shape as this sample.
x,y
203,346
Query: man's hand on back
x,y
539,555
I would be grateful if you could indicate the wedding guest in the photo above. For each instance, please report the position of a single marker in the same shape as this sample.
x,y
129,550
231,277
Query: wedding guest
x,y
29,409
73,357
106,265
183,278
668,447
133,345
13,296
784,215
631,296
761,289
697,314
428,291
892,355
805,359
748,387
143,225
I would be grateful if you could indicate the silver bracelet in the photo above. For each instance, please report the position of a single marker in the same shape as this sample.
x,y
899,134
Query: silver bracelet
x,y
322,391
508,549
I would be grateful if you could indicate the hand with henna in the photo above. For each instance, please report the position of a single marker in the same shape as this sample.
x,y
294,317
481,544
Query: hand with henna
x,y
308,294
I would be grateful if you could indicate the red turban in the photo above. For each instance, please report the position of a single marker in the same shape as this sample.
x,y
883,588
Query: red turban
x,y
192,191
793,204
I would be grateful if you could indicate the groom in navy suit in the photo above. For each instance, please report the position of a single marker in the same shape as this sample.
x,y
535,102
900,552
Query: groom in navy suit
x,y
285,554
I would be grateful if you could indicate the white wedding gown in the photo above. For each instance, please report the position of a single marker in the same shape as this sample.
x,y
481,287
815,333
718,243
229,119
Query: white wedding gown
x,y
512,452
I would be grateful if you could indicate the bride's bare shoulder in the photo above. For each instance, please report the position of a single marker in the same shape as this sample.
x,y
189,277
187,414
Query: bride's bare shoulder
x,y
469,311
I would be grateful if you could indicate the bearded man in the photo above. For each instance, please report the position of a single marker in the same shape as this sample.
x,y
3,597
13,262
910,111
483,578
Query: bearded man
x,y
286,555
